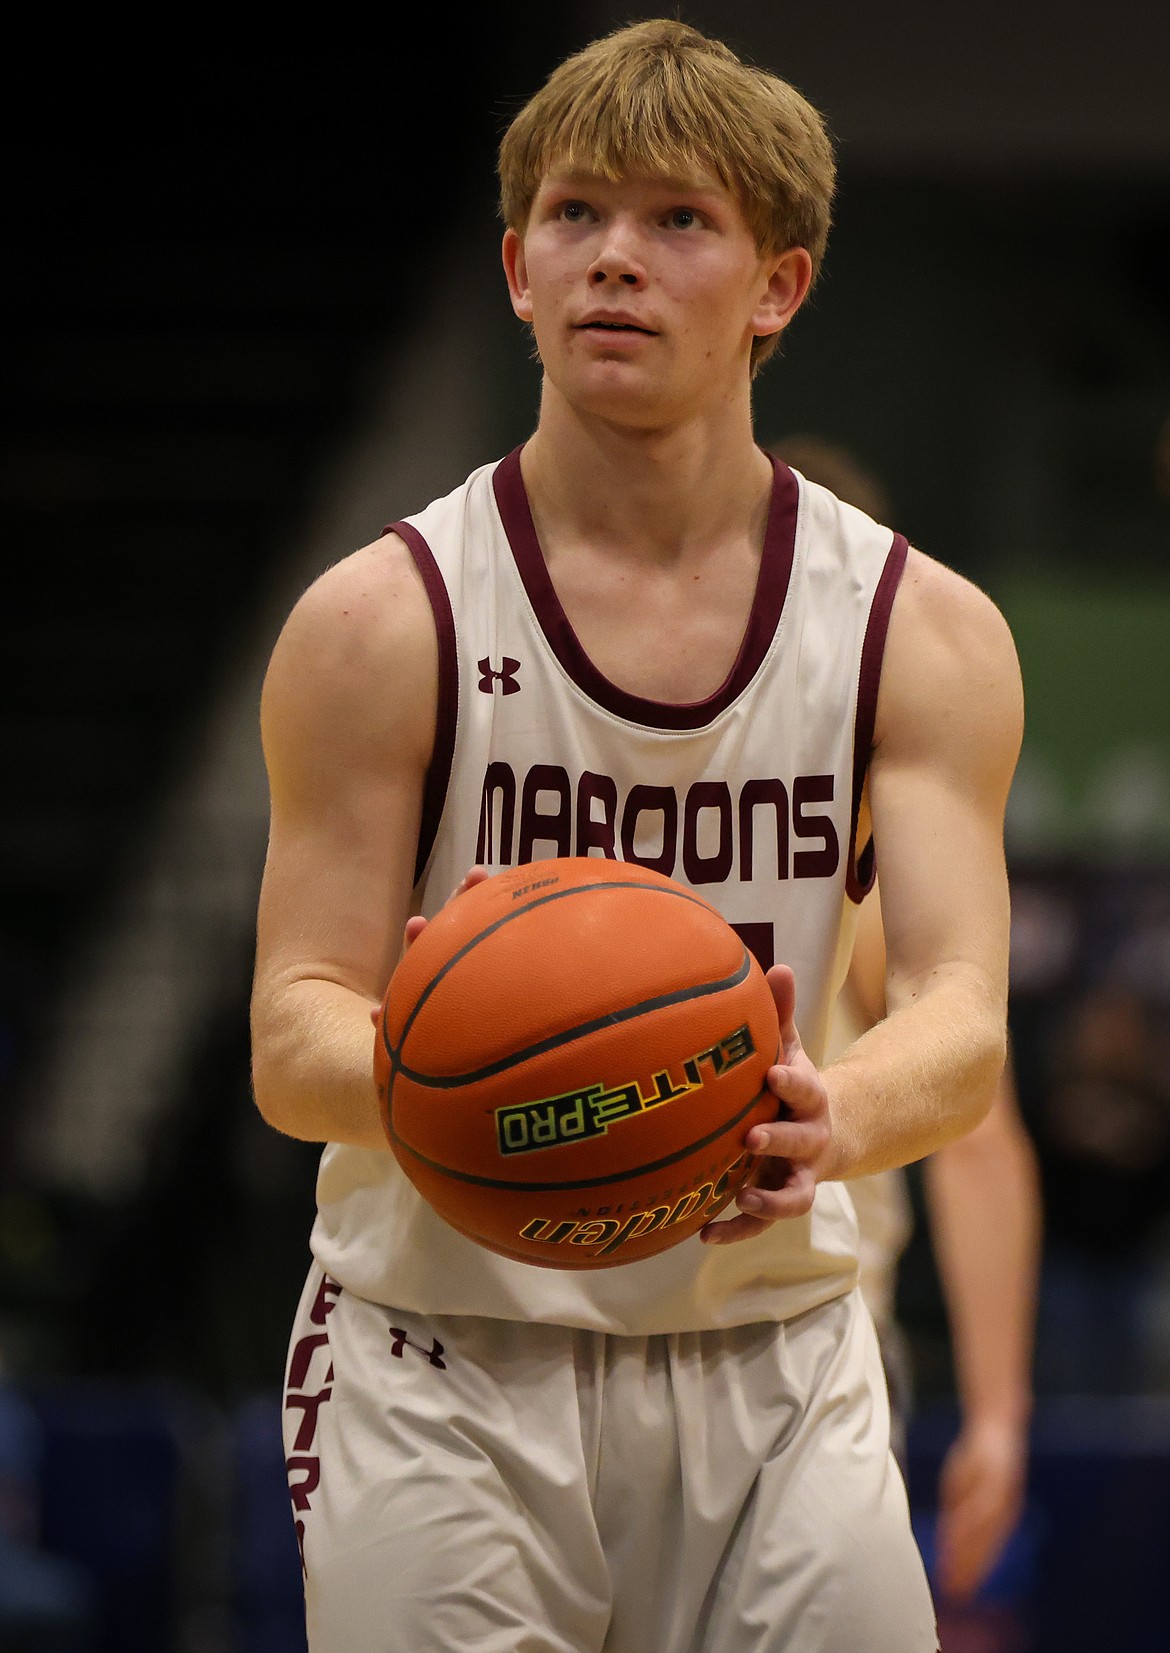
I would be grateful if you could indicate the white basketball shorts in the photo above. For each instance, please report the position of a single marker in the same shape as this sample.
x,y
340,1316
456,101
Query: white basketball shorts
x,y
465,1485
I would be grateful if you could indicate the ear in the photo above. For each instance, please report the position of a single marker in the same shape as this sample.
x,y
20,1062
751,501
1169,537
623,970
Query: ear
x,y
516,270
789,278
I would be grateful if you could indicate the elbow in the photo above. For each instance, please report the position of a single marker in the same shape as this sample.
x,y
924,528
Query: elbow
x,y
270,1071
988,1056
993,1055
266,1093
279,1104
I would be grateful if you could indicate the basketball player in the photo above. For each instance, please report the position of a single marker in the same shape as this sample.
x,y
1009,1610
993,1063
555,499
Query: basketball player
x,y
634,636
983,1202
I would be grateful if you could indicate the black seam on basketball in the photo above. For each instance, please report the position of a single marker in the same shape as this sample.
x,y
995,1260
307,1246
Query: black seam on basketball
x,y
584,1182
612,1018
537,901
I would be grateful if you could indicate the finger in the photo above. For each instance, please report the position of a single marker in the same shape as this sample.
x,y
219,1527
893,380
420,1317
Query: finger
x,y
414,928
795,1139
783,984
800,1090
759,1208
788,1193
731,1230
746,1225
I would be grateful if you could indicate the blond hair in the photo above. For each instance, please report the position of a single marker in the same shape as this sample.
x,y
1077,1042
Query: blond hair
x,y
660,99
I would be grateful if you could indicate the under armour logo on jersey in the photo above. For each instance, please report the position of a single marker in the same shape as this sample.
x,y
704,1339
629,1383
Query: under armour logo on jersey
x,y
505,677
400,1341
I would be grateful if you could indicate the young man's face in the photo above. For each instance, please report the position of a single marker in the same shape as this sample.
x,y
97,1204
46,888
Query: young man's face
x,y
645,294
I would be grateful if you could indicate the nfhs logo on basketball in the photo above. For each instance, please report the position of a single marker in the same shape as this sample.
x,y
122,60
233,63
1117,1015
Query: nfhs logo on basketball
x,y
569,1058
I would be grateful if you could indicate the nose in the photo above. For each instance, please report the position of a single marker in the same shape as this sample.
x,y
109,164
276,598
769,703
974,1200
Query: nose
x,y
618,258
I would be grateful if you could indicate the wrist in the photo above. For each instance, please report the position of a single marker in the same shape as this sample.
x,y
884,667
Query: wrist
x,y
834,1162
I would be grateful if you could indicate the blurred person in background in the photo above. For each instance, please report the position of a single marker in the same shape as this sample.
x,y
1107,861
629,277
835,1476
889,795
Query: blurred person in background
x,y
1090,970
1161,465
1103,1129
48,1603
983,1199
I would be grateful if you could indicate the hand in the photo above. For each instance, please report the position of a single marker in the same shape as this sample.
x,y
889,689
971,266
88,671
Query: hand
x,y
416,925
981,1495
795,1146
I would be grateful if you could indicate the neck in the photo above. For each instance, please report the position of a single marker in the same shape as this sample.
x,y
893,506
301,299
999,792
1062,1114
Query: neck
x,y
650,493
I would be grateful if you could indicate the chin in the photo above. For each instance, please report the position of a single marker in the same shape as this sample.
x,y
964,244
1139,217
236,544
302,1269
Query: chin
x,y
621,398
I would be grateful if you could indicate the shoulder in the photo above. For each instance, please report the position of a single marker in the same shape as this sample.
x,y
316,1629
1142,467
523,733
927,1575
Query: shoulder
x,y
362,612
371,599
938,604
950,659
356,657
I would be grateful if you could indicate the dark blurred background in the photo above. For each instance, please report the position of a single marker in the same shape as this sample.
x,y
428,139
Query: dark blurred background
x,y
253,311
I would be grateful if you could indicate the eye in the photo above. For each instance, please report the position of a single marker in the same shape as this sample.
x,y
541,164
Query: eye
x,y
683,217
574,212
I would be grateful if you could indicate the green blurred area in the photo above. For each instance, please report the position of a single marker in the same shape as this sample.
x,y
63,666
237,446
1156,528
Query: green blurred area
x,y
1094,775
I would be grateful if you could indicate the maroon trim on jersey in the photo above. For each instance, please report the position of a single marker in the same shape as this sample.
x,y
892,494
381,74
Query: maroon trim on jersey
x,y
447,711
861,870
767,604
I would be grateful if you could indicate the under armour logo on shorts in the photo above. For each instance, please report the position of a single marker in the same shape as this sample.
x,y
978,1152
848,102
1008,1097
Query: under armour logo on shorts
x,y
506,676
400,1341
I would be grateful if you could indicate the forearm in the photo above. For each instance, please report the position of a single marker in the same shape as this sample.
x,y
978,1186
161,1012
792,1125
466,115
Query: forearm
x,y
923,1076
312,1063
983,1197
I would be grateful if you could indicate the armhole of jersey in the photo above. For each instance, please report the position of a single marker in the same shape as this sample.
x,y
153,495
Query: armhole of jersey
x,y
447,711
862,870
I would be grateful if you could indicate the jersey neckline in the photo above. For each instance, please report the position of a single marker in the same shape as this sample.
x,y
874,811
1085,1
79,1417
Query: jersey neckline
x,y
767,604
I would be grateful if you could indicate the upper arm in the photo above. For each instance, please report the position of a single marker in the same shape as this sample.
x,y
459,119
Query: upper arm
x,y
347,723
947,736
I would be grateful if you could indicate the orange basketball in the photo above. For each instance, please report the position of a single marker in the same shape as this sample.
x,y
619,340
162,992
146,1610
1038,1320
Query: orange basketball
x,y
569,1058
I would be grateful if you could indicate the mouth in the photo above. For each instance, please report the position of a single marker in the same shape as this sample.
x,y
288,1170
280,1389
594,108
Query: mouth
x,y
615,327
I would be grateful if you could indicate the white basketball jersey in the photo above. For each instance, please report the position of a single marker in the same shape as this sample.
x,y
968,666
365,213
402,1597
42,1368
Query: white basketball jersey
x,y
749,797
